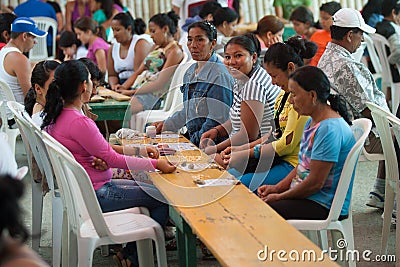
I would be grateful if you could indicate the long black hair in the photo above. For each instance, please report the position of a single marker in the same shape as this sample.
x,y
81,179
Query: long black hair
x,y
169,19
138,26
248,41
40,75
64,89
311,78
295,50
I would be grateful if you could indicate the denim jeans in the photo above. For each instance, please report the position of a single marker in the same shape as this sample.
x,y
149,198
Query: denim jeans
x,y
253,180
121,194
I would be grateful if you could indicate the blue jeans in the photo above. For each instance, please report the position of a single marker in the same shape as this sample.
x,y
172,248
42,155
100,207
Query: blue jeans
x,y
121,194
253,180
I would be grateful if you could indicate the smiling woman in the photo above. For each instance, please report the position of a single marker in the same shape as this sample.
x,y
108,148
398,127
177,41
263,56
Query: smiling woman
x,y
207,87
254,97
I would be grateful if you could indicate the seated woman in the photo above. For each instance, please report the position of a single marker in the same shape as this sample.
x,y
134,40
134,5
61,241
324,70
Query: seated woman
x,y
225,20
303,22
92,35
308,190
269,31
278,157
150,81
71,47
129,50
35,99
254,97
65,122
323,37
207,87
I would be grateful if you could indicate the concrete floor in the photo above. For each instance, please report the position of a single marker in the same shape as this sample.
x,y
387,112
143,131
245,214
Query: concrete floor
x,y
367,221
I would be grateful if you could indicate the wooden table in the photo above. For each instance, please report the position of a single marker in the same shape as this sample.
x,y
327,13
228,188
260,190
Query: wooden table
x,y
234,224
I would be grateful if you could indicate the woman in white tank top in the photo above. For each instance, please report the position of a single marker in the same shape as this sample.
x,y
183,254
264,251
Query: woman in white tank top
x,y
132,46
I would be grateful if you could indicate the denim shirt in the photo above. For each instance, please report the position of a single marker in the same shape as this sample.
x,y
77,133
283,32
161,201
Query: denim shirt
x,y
207,98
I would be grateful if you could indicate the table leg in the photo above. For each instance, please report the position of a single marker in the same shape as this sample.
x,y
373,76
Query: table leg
x,y
185,239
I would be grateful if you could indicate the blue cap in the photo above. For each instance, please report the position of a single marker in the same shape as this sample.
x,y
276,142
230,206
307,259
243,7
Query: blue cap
x,y
24,24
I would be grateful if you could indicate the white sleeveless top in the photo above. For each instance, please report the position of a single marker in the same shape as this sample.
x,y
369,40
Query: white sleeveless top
x,y
12,81
124,66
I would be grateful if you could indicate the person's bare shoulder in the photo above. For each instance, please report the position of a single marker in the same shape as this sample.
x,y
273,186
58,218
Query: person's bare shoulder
x,y
14,61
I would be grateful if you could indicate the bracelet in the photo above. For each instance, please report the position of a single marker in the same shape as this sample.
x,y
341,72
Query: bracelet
x,y
256,151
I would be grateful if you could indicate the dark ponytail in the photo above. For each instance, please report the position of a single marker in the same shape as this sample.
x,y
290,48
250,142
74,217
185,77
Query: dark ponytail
x,y
294,50
338,103
30,100
139,26
64,89
311,78
40,75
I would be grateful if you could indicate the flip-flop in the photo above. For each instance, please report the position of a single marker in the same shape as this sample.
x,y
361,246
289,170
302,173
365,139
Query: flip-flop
x,y
119,262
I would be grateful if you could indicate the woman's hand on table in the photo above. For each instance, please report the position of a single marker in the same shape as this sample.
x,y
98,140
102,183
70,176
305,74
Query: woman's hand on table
x,y
99,164
114,87
236,159
159,126
150,151
207,138
126,92
165,166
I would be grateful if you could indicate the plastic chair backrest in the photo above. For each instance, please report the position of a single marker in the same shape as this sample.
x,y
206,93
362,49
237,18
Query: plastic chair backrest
x,y
174,93
384,121
372,54
39,50
16,110
32,135
380,44
6,95
3,116
361,129
77,188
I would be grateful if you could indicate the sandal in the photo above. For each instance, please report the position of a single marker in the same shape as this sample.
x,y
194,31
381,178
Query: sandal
x,y
120,262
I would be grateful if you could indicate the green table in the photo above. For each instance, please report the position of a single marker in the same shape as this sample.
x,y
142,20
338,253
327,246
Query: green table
x,y
111,109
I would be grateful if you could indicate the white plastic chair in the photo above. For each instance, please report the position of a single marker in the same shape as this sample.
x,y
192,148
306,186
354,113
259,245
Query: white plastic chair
x,y
173,100
35,144
39,51
90,226
380,44
7,95
361,129
373,56
384,122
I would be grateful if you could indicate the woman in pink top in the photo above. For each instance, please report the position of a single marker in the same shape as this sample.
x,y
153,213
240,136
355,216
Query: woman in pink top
x,y
64,121
88,32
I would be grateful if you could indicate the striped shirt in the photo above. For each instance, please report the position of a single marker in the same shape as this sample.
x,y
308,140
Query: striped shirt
x,y
259,88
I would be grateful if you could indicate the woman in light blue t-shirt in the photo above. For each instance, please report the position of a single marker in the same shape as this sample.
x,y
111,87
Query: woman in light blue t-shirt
x,y
307,192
